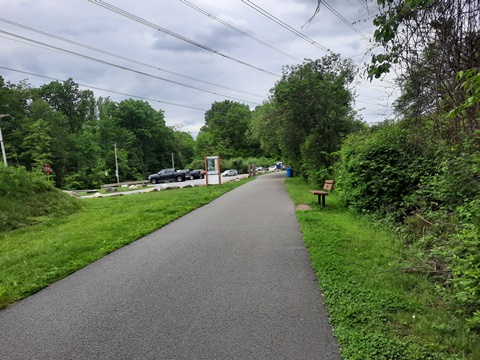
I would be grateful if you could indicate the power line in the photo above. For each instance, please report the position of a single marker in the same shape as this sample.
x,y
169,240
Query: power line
x,y
171,33
244,33
124,67
101,89
282,24
118,56
345,21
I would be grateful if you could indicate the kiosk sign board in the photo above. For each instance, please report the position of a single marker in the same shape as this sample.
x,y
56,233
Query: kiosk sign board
x,y
212,164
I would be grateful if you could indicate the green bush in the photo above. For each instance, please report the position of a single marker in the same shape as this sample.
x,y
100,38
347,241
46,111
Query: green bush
x,y
27,198
380,168
466,260
429,191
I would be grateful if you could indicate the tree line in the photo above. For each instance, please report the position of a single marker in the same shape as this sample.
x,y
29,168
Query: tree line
x,y
83,138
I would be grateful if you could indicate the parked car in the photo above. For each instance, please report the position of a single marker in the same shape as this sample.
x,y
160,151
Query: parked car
x,y
230,173
196,174
169,175
188,176
201,171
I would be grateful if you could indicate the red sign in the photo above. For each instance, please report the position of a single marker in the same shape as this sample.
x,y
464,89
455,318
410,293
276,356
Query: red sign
x,y
47,169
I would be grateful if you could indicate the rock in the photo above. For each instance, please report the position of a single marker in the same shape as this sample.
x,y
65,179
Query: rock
x,y
151,190
72,193
110,189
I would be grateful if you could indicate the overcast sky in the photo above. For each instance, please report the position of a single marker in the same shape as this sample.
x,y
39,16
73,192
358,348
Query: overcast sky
x,y
181,56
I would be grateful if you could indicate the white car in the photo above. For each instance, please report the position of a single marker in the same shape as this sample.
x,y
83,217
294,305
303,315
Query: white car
x,y
230,173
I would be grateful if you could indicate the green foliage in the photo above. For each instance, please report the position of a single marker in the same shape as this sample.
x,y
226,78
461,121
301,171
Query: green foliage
x,y
380,168
392,16
376,310
226,124
265,128
67,128
470,84
431,193
27,198
466,261
311,112
77,105
184,148
152,142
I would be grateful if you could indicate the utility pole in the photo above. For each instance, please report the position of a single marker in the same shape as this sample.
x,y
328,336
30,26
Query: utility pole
x,y
116,163
173,164
3,149
4,155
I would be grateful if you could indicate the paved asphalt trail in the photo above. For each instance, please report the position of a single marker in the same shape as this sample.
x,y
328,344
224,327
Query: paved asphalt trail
x,y
231,280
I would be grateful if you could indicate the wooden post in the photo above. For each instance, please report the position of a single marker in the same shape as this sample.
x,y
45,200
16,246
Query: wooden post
x,y
206,171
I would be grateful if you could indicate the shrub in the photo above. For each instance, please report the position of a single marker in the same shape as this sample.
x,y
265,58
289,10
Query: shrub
x,y
28,198
380,168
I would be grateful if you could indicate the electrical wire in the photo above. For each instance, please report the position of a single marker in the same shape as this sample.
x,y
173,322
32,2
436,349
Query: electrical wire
x,y
244,33
345,21
101,89
125,68
120,56
282,24
171,33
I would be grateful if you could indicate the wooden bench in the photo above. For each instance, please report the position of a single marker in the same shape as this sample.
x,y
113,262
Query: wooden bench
x,y
328,186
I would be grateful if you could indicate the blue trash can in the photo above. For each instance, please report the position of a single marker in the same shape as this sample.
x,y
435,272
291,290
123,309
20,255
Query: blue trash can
x,y
289,172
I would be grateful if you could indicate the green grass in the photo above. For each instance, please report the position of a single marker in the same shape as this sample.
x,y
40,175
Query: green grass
x,y
35,256
377,311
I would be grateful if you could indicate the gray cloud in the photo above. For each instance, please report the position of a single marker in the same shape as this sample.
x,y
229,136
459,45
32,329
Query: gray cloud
x,y
89,24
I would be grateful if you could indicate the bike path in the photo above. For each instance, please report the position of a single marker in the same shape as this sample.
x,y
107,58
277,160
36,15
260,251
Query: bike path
x,y
231,280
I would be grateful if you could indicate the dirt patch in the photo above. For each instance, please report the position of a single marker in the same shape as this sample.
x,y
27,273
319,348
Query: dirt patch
x,y
303,207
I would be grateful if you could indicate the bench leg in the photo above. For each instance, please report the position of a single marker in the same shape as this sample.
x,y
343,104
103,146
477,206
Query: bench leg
x,y
321,200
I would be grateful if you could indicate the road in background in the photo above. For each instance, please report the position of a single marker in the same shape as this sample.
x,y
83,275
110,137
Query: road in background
x,y
230,280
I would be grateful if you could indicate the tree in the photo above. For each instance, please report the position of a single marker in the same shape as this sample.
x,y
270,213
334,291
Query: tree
x,y
432,41
152,139
313,112
77,106
14,102
184,147
204,145
227,122
264,129
37,143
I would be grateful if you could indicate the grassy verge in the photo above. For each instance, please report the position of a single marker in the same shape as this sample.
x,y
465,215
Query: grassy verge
x,y
377,310
36,256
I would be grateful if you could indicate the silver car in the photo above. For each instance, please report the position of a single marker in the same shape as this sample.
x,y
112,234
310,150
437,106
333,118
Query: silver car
x,y
230,173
